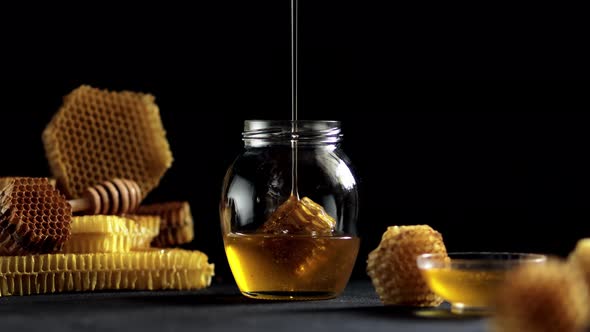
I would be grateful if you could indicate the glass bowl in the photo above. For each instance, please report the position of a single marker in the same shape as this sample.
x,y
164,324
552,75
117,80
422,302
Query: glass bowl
x,y
469,280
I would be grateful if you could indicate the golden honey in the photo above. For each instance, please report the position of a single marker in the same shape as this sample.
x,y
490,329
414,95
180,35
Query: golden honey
x,y
464,288
295,267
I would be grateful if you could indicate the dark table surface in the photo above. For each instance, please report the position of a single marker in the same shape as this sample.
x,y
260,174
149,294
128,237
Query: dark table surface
x,y
221,307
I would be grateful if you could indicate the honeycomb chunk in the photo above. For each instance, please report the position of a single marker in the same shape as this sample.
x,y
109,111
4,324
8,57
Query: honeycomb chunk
x,y
34,217
542,298
393,269
98,135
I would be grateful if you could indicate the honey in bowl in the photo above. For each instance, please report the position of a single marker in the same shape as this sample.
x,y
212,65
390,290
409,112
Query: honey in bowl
x,y
469,281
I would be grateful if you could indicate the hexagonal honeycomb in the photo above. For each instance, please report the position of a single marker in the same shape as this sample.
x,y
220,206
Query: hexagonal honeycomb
x,y
98,135
176,225
34,217
393,269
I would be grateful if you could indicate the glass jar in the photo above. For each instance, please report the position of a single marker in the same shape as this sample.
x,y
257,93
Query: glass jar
x,y
286,241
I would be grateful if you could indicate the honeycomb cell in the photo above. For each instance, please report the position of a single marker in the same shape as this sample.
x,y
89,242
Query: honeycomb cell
x,y
116,121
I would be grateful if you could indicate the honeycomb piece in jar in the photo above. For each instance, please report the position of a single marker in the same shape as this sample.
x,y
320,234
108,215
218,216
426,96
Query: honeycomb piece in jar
x,y
299,216
300,227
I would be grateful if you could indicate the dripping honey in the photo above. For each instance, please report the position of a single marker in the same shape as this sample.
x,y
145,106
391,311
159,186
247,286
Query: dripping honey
x,y
291,266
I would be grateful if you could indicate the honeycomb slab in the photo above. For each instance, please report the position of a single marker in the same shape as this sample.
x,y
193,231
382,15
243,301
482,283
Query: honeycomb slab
x,y
148,270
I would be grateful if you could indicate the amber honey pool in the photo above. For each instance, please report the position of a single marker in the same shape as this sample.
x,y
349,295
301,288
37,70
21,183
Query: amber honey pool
x,y
291,267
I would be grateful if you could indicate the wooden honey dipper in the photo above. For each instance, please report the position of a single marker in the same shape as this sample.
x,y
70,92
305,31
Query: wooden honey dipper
x,y
117,196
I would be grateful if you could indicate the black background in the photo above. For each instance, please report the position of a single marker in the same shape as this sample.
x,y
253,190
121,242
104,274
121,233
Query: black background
x,y
440,125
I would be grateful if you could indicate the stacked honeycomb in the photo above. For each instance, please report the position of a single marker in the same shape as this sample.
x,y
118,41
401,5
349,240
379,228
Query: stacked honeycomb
x,y
176,225
107,151
98,135
34,217
99,234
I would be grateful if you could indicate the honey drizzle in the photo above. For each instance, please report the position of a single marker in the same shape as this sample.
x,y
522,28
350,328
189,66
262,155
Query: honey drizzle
x,y
294,97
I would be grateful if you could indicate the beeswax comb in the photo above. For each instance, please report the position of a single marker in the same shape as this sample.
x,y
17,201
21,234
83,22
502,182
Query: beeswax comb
x,y
137,270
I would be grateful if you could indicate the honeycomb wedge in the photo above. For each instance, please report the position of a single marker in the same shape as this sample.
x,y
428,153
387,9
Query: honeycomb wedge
x,y
176,225
309,223
100,234
393,269
147,270
98,135
34,217
299,216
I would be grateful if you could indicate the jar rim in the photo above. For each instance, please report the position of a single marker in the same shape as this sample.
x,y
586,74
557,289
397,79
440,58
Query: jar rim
x,y
285,131
258,124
